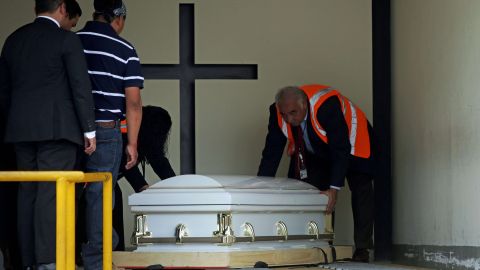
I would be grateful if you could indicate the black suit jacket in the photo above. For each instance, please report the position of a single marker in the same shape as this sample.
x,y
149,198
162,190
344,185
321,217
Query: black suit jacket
x,y
329,163
45,89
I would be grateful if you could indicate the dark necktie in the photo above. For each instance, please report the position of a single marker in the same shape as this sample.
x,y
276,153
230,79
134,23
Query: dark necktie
x,y
300,165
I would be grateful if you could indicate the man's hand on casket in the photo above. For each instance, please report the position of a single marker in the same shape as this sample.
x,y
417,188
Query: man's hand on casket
x,y
143,188
332,199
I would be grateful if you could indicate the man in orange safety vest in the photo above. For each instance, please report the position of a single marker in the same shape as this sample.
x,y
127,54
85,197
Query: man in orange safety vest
x,y
329,139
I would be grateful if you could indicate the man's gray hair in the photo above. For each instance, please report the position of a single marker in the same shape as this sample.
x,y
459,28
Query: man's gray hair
x,y
290,92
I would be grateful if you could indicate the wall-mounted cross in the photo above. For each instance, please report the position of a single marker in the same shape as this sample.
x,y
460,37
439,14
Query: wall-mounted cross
x,y
187,72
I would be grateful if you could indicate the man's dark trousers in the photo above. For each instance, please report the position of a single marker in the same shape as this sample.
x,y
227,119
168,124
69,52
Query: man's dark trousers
x,y
361,188
36,200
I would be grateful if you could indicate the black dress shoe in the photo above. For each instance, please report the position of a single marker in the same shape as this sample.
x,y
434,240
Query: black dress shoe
x,y
361,255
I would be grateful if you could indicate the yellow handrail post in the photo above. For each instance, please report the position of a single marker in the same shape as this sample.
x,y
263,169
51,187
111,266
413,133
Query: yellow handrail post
x,y
61,222
70,226
65,208
107,223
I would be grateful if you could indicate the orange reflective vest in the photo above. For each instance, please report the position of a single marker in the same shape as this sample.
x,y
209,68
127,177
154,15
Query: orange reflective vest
x,y
123,126
356,120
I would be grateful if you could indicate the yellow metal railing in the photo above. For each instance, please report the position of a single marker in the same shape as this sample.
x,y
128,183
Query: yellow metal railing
x,y
65,180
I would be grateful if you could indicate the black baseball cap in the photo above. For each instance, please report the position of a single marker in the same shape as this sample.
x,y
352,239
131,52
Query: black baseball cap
x,y
113,8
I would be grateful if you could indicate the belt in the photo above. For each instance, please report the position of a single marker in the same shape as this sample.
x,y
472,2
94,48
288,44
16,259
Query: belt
x,y
109,124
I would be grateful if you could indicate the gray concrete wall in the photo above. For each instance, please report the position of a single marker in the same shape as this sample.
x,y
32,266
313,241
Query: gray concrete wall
x,y
435,126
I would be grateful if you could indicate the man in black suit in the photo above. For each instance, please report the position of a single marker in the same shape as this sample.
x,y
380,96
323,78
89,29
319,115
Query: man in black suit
x,y
46,93
329,138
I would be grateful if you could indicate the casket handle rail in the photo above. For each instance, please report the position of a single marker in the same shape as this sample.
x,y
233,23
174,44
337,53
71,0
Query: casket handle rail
x,y
329,224
248,231
224,229
241,239
180,233
282,229
224,234
141,229
313,229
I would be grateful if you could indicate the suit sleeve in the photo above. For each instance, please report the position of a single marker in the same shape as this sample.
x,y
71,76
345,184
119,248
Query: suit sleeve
x,y
161,166
135,178
331,118
4,93
274,146
77,72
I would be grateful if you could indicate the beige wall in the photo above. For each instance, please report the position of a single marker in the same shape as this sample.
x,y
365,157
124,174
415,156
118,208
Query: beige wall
x,y
292,41
436,113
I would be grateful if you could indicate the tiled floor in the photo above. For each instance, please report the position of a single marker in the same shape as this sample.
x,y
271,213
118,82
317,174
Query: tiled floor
x,y
365,266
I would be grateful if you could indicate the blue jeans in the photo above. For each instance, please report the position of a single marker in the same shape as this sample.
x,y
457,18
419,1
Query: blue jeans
x,y
106,158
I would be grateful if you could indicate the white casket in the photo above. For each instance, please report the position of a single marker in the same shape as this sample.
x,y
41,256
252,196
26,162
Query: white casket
x,y
195,213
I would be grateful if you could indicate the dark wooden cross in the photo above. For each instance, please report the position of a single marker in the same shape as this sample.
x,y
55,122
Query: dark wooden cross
x,y
187,72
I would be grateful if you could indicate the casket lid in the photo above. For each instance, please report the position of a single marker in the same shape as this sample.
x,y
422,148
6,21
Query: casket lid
x,y
192,181
228,190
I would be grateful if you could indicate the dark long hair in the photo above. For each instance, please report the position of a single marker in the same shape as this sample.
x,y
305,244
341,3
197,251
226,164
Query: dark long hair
x,y
154,132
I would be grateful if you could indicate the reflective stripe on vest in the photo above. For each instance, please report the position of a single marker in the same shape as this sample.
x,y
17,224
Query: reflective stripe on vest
x,y
353,127
314,101
356,120
123,126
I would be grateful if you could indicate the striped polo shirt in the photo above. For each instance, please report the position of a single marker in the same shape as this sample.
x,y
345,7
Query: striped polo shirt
x,y
113,66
